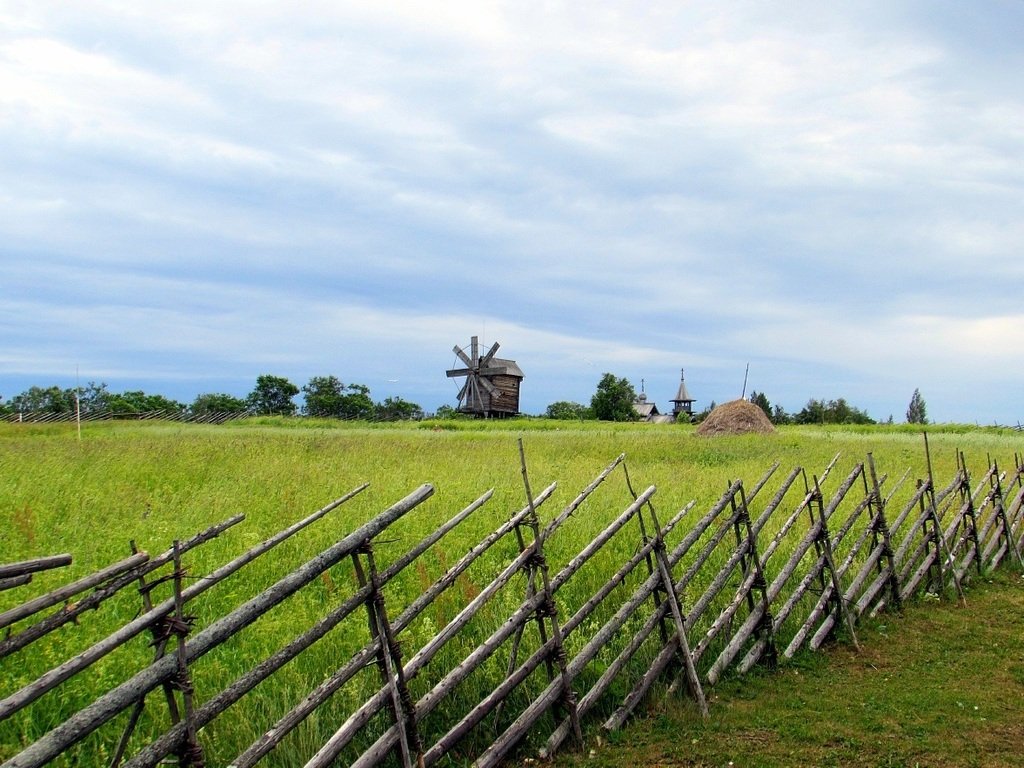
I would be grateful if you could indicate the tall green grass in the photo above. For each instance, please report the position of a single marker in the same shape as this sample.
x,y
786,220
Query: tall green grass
x,y
153,483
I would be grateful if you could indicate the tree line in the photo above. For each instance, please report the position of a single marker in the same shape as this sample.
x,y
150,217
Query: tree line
x,y
328,397
323,396
615,397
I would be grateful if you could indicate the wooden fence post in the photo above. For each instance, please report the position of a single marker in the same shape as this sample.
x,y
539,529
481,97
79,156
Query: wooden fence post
x,y
665,573
967,502
880,530
750,563
160,640
824,547
389,660
549,609
190,754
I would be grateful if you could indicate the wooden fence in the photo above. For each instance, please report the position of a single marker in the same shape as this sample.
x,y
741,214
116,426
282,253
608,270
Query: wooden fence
x,y
770,568
165,414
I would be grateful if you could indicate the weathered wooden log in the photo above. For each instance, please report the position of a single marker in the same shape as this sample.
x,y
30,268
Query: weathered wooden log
x,y
872,592
119,637
87,720
355,722
9,570
500,747
93,600
265,743
358,719
748,627
508,739
693,681
520,673
567,695
818,611
910,587
837,588
849,597
669,649
752,576
612,671
15,581
152,754
427,703
67,591
897,524
726,616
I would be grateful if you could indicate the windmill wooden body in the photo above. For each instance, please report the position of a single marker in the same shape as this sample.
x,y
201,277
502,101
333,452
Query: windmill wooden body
x,y
492,383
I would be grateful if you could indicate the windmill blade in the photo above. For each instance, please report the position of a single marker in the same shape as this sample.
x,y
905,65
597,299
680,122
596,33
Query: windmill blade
x,y
474,345
490,353
462,393
462,356
491,389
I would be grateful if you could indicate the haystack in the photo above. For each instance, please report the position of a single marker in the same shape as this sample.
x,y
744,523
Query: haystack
x,y
736,418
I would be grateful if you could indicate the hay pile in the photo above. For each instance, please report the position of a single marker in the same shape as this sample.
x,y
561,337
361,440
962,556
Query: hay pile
x,y
736,418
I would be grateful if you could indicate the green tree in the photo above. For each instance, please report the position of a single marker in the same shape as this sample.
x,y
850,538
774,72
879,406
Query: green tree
x,y
327,396
448,412
917,413
831,412
761,401
356,403
397,409
567,410
50,399
779,415
217,402
613,400
138,401
94,398
273,394
322,396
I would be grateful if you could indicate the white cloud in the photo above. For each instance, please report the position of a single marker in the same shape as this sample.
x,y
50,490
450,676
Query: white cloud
x,y
627,187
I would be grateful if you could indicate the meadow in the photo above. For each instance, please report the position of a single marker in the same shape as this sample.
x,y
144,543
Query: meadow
x,y
152,483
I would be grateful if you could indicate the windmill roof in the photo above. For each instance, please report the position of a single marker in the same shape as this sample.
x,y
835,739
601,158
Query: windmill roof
x,y
501,367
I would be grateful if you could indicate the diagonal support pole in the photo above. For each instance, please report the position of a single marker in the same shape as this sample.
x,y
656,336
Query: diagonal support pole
x,y
825,539
880,531
549,610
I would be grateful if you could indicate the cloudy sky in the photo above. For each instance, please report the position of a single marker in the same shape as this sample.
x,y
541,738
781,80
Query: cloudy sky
x,y
195,193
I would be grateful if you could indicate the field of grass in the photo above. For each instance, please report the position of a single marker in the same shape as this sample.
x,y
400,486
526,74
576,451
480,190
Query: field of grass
x,y
153,483
941,686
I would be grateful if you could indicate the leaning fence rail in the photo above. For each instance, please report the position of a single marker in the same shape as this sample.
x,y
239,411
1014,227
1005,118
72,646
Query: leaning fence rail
x,y
787,563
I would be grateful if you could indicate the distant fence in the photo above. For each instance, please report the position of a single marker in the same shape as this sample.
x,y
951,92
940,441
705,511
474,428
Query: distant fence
x,y
724,596
55,417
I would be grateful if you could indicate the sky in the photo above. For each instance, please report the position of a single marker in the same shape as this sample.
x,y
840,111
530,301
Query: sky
x,y
193,194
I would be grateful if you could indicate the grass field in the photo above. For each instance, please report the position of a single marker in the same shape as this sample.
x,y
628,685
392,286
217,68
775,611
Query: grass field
x,y
942,686
153,483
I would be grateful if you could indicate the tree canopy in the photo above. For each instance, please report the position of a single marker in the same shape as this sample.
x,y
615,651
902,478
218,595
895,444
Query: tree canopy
x,y
327,396
567,410
272,395
217,402
917,413
831,412
614,399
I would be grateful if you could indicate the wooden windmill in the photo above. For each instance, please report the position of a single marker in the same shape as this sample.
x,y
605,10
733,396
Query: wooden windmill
x,y
492,383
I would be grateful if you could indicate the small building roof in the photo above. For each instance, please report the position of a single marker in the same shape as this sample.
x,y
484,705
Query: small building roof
x,y
644,409
683,394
